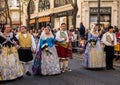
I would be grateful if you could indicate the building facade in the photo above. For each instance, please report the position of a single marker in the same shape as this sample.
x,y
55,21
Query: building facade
x,y
109,13
54,12
14,12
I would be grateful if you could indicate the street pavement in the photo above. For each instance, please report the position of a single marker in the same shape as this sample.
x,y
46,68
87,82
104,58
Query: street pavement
x,y
79,76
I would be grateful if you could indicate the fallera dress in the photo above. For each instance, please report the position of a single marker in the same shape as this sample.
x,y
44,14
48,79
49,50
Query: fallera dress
x,y
49,62
94,56
10,66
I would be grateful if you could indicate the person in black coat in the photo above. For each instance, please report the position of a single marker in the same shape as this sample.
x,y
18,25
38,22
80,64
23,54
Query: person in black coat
x,y
82,30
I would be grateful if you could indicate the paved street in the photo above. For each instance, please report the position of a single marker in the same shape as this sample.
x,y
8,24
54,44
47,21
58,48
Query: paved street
x,y
79,76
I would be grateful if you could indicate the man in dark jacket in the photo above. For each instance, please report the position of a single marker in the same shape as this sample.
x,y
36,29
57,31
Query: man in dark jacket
x,y
82,30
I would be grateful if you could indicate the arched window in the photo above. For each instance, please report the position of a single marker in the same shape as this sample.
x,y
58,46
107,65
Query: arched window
x,y
32,7
43,5
58,3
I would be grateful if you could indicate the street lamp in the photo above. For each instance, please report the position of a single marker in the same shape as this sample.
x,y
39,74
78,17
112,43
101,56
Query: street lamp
x,y
98,15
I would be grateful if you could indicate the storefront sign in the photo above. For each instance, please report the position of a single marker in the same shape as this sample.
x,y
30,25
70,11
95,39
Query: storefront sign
x,y
61,14
44,19
32,21
103,10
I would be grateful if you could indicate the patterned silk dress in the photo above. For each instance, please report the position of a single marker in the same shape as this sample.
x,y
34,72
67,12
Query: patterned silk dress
x,y
49,62
94,56
10,67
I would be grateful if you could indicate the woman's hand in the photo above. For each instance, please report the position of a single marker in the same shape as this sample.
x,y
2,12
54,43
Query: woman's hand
x,y
33,51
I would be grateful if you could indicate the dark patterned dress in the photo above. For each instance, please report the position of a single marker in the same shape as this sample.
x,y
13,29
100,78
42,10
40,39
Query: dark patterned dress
x,y
10,66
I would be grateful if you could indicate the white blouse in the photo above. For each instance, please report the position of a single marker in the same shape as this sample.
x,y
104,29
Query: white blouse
x,y
59,38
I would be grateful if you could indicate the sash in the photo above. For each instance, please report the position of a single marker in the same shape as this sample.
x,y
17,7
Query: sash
x,y
108,38
63,43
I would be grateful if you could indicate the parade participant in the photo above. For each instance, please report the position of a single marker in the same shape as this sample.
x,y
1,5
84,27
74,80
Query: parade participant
x,y
36,68
18,31
62,47
117,47
94,53
71,39
109,39
35,35
49,56
27,47
10,66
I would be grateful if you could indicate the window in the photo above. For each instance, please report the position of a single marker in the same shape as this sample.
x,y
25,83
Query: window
x,y
58,3
43,5
12,3
18,3
32,7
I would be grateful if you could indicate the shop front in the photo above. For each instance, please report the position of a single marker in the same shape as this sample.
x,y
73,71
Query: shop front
x,y
105,16
43,21
32,24
62,17
15,24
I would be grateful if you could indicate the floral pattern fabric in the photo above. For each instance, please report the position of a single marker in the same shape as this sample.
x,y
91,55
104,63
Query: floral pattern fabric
x,y
10,67
94,56
49,62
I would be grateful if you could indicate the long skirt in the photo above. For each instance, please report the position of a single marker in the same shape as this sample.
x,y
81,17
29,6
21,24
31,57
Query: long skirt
x,y
10,66
50,62
94,56
36,68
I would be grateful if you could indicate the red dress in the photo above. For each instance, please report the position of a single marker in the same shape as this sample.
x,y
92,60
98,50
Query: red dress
x,y
117,47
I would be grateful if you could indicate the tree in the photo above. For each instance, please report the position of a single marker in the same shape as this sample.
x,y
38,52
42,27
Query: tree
x,y
2,11
28,12
75,10
7,12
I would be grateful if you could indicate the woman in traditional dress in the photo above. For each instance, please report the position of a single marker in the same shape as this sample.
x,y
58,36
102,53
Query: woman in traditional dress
x,y
36,68
49,56
10,66
117,47
94,53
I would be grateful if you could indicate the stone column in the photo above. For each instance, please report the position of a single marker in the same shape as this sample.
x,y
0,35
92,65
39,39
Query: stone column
x,y
114,14
86,18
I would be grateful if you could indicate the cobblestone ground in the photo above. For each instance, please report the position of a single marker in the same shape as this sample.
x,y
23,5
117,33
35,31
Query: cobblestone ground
x,y
79,76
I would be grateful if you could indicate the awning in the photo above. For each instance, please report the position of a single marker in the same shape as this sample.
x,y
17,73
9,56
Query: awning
x,y
44,19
